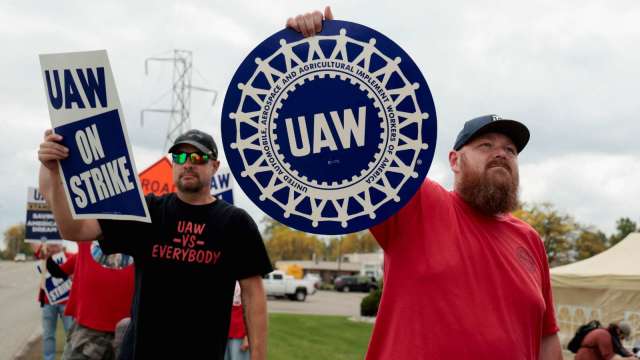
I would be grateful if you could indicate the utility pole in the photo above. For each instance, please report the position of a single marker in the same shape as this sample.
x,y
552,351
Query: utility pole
x,y
180,112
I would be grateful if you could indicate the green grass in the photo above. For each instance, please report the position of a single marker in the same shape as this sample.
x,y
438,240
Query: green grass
x,y
309,337
316,337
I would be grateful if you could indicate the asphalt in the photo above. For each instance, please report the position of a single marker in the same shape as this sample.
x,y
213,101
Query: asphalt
x,y
19,309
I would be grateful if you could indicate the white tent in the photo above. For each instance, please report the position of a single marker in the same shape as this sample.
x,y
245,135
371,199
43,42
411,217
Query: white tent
x,y
604,287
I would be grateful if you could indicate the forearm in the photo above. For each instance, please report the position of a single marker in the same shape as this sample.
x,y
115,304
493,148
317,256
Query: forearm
x,y
550,348
255,312
52,189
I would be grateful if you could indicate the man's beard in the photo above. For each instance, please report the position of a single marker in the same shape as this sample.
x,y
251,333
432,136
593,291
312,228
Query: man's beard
x,y
486,193
193,187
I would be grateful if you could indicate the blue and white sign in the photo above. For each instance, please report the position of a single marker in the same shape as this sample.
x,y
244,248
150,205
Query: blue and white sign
x,y
329,134
40,225
222,185
57,290
100,177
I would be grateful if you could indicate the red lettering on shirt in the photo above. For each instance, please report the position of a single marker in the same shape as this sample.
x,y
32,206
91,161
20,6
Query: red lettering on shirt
x,y
167,252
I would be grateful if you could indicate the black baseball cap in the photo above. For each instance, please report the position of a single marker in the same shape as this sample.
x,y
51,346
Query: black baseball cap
x,y
200,140
515,130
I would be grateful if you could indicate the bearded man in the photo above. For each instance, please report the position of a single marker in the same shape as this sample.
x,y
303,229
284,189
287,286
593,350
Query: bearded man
x,y
464,278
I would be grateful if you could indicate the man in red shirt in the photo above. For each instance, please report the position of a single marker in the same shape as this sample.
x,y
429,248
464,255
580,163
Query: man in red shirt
x,y
460,260
100,297
463,278
605,344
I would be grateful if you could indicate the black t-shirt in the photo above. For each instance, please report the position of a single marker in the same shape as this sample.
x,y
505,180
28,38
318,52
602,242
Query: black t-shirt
x,y
187,262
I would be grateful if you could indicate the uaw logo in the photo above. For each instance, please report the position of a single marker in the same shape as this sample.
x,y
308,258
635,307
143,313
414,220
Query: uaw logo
x,y
329,134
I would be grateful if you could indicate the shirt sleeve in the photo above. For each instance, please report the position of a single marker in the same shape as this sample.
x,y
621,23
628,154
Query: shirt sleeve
x,y
389,229
126,237
250,254
549,325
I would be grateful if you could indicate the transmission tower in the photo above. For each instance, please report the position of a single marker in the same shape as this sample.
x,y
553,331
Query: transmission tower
x,y
180,112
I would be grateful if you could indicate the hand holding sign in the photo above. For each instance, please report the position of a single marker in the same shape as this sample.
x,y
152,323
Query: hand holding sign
x,y
330,132
50,151
91,142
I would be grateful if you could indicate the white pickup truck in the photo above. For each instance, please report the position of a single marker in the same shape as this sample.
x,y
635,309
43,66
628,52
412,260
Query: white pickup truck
x,y
277,283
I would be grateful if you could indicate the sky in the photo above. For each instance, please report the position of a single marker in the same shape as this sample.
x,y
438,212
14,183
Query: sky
x,y
568,70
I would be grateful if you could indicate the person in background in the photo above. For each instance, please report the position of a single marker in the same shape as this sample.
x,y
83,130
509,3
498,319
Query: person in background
x,y
238,343
51,312
100,297
605,344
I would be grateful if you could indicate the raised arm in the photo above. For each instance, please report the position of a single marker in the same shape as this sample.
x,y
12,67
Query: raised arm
x,y
49,153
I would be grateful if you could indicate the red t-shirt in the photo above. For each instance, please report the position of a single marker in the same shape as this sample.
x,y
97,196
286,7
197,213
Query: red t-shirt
x,y
458,284
236,326
100,296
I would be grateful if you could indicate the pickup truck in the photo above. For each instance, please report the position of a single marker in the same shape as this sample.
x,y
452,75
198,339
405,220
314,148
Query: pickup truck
x,y
277,283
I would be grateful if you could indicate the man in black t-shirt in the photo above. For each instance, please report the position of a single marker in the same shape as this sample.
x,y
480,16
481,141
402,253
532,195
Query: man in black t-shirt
x,y
187,259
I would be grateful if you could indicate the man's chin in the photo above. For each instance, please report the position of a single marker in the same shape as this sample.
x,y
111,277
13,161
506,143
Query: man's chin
x,y
499,176
193,187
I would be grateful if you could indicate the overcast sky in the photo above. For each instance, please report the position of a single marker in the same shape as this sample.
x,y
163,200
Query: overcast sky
x,y
569,69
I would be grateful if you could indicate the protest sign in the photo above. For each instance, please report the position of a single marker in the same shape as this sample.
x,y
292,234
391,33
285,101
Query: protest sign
x,y
332,133
99,176
40,225
57,290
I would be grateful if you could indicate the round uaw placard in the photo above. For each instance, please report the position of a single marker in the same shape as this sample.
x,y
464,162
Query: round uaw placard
x,y
329,134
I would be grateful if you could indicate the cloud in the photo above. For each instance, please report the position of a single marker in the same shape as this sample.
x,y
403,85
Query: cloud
x,y
567,69
595,188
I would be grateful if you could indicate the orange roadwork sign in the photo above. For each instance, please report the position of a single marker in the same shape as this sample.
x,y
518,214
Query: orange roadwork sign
x,y
158,178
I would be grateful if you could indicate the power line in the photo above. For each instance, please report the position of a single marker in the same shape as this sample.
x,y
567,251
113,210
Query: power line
x,y
180,111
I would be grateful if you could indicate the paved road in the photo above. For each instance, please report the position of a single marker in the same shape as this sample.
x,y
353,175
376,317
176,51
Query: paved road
x,y
320,303
19,311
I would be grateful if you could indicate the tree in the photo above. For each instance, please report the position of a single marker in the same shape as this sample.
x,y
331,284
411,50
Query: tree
x,y
625,226
558,231
284,243
14,242
590,242
360,242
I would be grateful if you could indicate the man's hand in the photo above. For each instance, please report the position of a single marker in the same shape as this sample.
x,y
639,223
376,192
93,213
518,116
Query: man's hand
x,y
50,151
309,24
245,344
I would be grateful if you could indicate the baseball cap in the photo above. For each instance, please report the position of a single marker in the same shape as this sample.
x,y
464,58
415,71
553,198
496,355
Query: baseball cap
x,y
625,328
516,131
200,140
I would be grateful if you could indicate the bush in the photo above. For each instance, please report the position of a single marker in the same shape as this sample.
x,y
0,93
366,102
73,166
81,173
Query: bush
x,y
370,303
326,286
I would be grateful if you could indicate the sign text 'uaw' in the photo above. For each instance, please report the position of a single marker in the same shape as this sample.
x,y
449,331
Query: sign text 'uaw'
x,y
332,133
40,225
99,175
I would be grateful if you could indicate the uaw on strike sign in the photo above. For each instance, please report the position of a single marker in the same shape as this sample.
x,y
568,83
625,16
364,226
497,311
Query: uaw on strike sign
x,y
99,175
332,133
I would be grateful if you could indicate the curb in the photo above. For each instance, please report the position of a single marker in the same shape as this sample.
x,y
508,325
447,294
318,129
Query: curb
x,y
34,338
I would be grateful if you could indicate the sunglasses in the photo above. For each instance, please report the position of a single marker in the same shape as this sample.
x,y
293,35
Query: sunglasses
x,y
196,158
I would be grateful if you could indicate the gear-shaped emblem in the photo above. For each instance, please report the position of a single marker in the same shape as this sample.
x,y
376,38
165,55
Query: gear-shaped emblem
x,y
329,134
